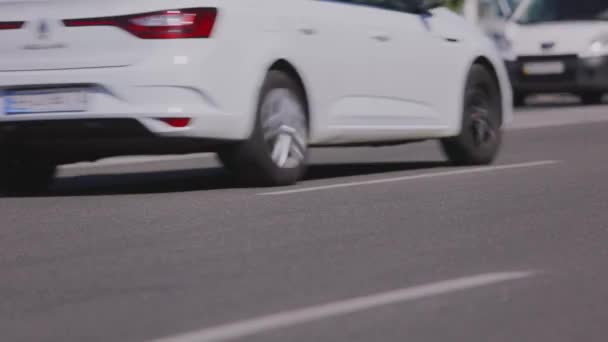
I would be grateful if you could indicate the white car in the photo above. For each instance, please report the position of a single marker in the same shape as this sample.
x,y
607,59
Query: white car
x,y
558,46
258,82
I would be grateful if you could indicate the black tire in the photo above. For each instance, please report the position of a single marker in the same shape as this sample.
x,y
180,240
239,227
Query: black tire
x,y
592,98
481,135
25,175
252,160
519,99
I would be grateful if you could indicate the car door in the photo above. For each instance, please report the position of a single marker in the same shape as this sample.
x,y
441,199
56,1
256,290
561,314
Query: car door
x,y
417,69
375,72
382,105
327,40
375,79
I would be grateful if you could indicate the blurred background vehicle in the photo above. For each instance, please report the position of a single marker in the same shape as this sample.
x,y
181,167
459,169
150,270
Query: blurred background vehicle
x,y
557,46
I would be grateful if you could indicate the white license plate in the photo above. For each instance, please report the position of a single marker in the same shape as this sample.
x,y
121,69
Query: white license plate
x,y
544,68
44,101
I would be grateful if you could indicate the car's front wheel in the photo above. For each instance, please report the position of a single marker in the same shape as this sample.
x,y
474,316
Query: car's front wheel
x,y
480,138
25,174
276,153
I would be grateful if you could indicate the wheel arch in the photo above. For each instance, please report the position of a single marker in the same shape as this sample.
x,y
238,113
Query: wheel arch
x,y
489,66
283,65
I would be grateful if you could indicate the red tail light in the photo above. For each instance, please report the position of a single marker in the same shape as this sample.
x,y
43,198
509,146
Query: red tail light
x,y
11,25
171,24
176,122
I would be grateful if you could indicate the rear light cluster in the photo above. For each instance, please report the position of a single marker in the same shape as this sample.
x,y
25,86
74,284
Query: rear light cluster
x,y
176,122
171,24
11,25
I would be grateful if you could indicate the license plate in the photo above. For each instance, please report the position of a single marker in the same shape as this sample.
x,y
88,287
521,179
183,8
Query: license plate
x,y
544,68
44,101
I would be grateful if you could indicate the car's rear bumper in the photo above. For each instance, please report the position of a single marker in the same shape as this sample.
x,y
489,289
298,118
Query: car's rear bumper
x,y
198,83
73,140
146,104
580,75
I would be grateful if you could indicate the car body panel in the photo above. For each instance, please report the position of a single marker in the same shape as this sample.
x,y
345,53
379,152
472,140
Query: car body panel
x,y
565,38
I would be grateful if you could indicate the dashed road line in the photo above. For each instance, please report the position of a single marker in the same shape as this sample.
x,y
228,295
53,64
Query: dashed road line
x,y
465,171
255,326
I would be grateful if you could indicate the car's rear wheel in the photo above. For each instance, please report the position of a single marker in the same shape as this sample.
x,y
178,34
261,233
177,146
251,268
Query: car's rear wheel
x,y
277,151
25,174
592,98
480,138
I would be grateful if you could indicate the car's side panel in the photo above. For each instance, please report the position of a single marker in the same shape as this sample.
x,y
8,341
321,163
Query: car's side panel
x,y
408,67
351,78
395,42
416,70
447,65
456,46
331,43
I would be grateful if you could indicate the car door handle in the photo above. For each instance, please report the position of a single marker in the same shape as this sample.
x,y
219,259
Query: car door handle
x,y
381,37
309,31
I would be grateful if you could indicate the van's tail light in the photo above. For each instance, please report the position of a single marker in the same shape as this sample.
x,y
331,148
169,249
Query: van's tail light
x,y
11,25
171,24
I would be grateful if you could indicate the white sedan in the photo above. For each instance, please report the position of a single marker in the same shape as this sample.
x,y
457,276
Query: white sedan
x,y
258,82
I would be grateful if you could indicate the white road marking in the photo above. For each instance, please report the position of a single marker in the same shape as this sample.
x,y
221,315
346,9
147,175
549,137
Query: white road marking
x,y
465,171
532,117
240,329
558,119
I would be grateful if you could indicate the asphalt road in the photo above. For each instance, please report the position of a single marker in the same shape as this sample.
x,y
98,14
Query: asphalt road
x,y
377,244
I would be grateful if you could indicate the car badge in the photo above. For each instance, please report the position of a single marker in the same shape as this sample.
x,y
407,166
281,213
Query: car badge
x,y
43,33
547,46
43,30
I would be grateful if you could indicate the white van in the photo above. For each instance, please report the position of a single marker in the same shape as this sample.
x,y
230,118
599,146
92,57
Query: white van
x,y
558,46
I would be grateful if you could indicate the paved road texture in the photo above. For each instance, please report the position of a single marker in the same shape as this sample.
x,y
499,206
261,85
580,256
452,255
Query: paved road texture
x,y
377,244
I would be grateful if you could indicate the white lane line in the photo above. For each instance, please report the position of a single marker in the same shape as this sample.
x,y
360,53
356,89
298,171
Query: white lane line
x,y
533,123
545,118
238,330
486,169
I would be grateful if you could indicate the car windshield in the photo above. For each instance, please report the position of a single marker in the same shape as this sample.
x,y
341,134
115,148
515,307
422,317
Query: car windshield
x,y
540,11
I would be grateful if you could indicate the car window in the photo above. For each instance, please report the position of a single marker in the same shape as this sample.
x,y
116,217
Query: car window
x,y
395,5
539,11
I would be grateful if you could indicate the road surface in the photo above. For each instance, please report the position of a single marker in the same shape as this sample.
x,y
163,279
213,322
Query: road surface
x,y
377,244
